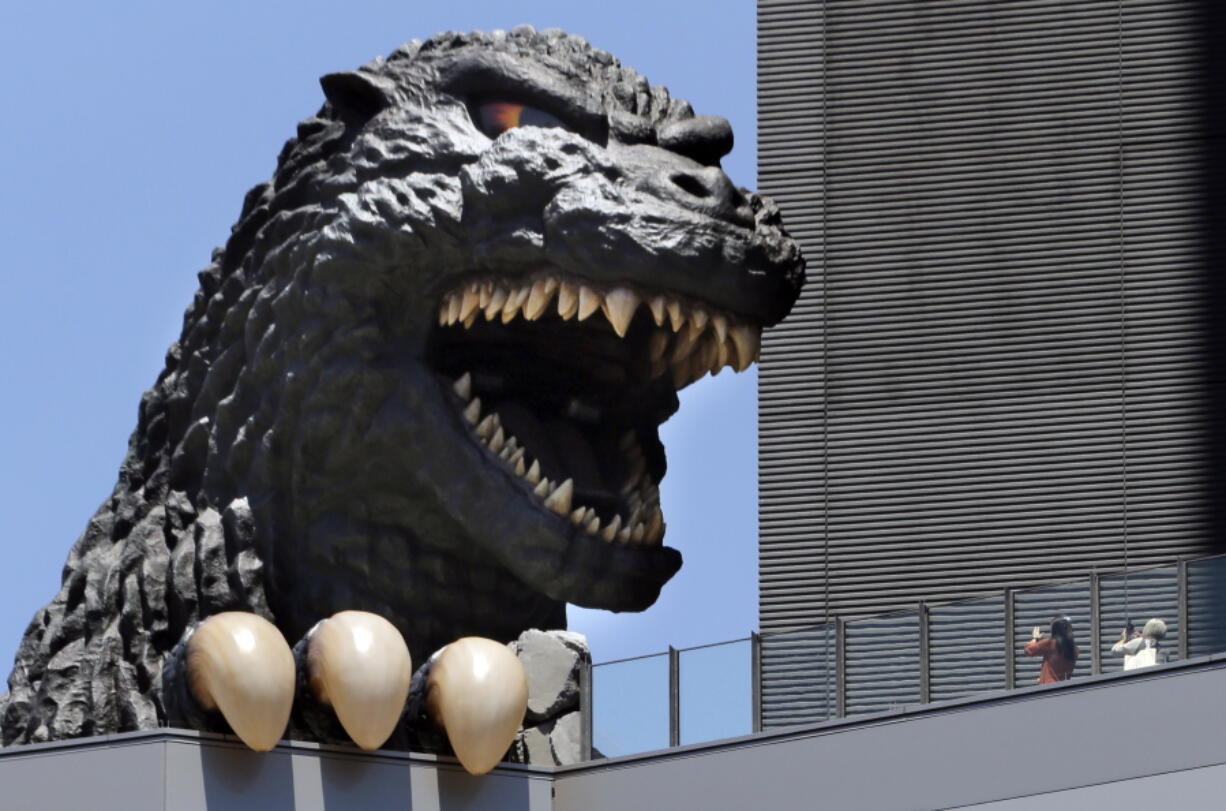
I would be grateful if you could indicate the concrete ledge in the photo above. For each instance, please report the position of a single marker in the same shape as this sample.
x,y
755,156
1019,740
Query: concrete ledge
x,y
1096,742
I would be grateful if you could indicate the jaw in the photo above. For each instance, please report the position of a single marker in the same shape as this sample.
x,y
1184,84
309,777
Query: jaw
x,y
558,387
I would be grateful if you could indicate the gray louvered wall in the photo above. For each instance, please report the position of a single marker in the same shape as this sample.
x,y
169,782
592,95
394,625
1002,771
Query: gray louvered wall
x,y
996,372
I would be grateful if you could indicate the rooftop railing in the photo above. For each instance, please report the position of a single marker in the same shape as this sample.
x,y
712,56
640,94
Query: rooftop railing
x,y
935,652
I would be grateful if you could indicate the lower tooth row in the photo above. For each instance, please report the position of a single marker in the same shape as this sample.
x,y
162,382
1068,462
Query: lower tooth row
x,y
644,498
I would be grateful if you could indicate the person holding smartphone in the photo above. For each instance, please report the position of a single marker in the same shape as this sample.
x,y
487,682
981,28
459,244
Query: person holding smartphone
x,y
1058,650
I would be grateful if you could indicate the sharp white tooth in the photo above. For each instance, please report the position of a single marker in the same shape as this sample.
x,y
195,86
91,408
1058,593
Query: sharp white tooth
x,y
519,463
472,318
657,345
619,306
472,411
676,317
239,663
464,386
478,693
468,305
698,320
498,440
485,428
610,532
568,300
589,301
720,322
576,517
655,526
542,487
484,293
453,308
497,299
721,354
534,472
442,314
559,500
746,339
593,525
659,308
624,535
637,534
539,298
515,301
358,664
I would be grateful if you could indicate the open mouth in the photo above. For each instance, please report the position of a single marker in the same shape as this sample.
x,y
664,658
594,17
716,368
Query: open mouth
x,y
566,383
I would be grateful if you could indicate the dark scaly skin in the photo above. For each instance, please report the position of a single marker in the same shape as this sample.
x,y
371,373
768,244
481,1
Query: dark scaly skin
x,y
297,457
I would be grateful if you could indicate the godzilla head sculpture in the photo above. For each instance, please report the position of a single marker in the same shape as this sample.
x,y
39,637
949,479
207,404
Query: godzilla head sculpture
x,y
424,376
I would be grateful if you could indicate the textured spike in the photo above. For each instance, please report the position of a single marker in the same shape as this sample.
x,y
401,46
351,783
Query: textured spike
x,y
568,300
589,301
472,412
619,306
358,664
559,500
659,309
477,693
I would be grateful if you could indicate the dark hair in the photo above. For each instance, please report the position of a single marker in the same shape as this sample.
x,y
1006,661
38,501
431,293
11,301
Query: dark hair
x,y
1062,632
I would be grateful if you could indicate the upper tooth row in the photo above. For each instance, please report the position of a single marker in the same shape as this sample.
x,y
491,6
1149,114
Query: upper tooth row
x,y
643,525
700,339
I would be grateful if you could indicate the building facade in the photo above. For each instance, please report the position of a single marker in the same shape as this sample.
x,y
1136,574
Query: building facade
x,y
1002,371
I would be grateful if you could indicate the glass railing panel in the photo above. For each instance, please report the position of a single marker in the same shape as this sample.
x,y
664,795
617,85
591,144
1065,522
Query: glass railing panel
x,y
630,706
966,647
1206,606
716,692
1138,595
798,677
882,663
1038,607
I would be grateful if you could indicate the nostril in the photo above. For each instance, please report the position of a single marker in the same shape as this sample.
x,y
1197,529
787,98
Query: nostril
x,y
691,184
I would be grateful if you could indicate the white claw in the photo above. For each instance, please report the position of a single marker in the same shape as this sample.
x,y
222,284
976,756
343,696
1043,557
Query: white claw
x,y
239,663
358,664
478,693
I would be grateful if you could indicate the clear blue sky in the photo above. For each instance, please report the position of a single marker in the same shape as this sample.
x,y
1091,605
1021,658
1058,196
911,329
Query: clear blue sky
x,y
131,131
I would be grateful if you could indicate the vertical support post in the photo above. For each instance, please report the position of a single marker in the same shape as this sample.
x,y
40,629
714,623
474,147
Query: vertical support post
x,y
585,708
1185,632
840,667
925,658
755,678
1010,653
1096,646
674,696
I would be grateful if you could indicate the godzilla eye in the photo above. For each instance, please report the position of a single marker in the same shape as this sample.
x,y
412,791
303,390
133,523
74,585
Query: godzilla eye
x,y
496,117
